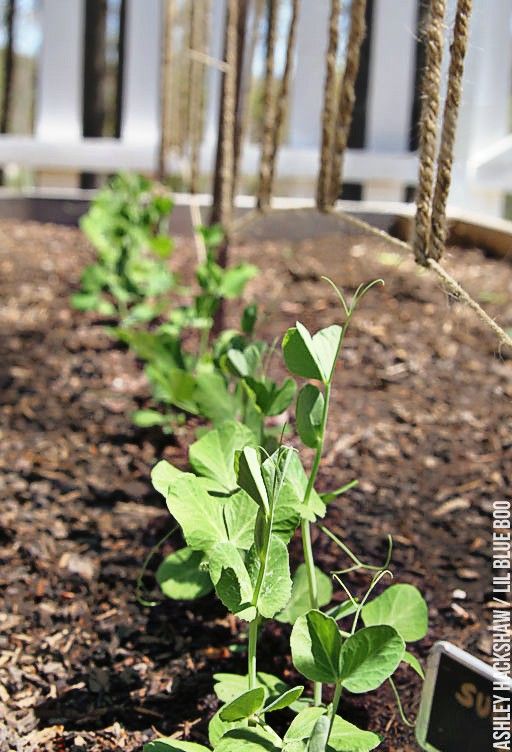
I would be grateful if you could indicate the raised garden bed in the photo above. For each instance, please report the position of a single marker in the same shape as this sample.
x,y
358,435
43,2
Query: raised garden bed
x,y
422,417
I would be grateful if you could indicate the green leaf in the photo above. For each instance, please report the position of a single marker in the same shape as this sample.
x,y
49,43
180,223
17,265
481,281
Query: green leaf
x,y
254,356
249,740
299,355
148,418
400,606
173,745
213,399
312,357
163,475
302,725
277,584
414,663
162,245
369,657
289,506
326,344
287,513
142,312
250,478
319,735
158,346
199,515
295,746
217,727
299,602
296,478
173,386
231,580
249,318
284,700
213,454
235,279
229,686
316,647
180,576
238,362
281,397
244,706
213,235
240,513
85,301
345,737
308,416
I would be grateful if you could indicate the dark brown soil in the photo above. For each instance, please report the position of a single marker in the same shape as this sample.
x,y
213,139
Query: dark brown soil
x,y
422,416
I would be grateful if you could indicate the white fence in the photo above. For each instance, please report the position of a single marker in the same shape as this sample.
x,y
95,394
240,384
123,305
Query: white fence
x,y
385,166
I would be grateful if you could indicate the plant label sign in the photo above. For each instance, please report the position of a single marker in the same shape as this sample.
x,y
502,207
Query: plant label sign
x,y
456,710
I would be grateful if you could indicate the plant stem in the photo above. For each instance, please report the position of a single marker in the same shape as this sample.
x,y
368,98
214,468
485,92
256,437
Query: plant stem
x,y
253,639
203,341
335,703
320,447
255,623
307,547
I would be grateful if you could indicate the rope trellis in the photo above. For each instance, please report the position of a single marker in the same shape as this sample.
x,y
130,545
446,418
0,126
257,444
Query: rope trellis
x,y
329,108
228,136
282,95
436,144
451,111
431,94
269,107
347,96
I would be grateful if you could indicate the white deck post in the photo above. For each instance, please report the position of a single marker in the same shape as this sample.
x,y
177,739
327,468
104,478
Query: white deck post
x,y
141,95
59,101
391,87
484,114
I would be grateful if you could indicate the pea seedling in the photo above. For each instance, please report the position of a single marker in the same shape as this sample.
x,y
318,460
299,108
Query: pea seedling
x,y
127,225
238,510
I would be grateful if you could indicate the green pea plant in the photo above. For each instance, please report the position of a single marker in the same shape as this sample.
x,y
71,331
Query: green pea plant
x,y
183,380
216,283
238,508
233,366
127,225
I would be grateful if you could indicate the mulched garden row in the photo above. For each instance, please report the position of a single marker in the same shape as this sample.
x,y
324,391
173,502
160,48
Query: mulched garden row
x,y
422,417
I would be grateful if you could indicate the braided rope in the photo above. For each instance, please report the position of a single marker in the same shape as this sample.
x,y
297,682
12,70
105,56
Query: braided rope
x,y
229,108
347,95
282,97
450,114
268,107
192,65
166,87
428,137
199,22
329,108
182,63
245,84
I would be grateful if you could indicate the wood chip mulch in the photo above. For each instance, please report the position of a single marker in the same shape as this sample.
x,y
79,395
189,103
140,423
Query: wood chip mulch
x,y
422,416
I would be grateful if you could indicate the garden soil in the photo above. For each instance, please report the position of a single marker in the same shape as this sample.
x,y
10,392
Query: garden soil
x,y
422,416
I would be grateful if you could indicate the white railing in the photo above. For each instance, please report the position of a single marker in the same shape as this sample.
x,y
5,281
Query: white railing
x,y
483,169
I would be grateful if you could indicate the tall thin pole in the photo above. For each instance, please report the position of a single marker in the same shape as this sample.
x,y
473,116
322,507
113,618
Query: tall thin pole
x,y
10,14
165,84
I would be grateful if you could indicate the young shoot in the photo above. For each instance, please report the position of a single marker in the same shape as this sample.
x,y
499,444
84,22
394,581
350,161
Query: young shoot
x,y
238,508
314,357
